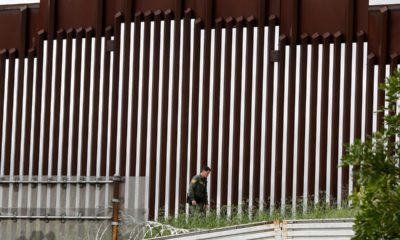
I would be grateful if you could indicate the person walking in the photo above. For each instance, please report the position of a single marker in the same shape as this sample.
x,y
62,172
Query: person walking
x,y
197,198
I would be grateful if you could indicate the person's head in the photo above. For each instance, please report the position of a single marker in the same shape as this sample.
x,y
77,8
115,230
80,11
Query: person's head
x,y
205,171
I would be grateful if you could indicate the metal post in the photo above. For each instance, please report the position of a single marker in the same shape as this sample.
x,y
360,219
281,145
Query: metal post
x,y
115,202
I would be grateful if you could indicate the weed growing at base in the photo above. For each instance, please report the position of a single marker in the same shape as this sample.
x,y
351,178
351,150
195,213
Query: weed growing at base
x,y
212,220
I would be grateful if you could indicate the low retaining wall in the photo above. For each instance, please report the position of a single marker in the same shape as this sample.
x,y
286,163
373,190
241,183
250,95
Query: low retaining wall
x,y
289,229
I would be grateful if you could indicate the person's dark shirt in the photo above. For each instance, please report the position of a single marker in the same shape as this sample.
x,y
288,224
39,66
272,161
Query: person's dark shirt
x,y
198,189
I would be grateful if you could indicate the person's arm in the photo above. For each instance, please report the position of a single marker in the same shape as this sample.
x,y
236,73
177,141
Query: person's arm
x,y
206,195
191,190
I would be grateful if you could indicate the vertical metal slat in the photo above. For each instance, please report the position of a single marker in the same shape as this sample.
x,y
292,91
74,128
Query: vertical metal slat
x,y
135,93
359,84
383,57
9,115
96,85
226,110
105,110
338,37
28,109
369,105
304,40
57,96
195,97
236,111
164,107
215,114
269,109
247,108
125,83
145,93
76,101
313,114
9,109
21,69
87,82
279,119
323,134
49,76
185,105
258,99
114,94
67,102
174,111
154,109
291,98
3,56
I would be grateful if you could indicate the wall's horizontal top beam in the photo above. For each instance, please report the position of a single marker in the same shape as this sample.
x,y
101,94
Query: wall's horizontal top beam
x,y
294,17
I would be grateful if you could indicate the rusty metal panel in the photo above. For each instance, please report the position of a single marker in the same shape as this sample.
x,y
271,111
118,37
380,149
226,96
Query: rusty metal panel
x,y
9,37
235,9
324,16
375,26
314,15
112,7
151,5
394,31
74,13
10,23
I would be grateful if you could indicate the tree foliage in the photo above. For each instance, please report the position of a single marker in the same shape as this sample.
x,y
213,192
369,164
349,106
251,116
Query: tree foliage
x,y
376,172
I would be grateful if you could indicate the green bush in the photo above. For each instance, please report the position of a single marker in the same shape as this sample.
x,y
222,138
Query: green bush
x,y
376,172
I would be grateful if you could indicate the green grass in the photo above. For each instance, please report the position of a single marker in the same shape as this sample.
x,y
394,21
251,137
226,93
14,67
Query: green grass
x,y
212,220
